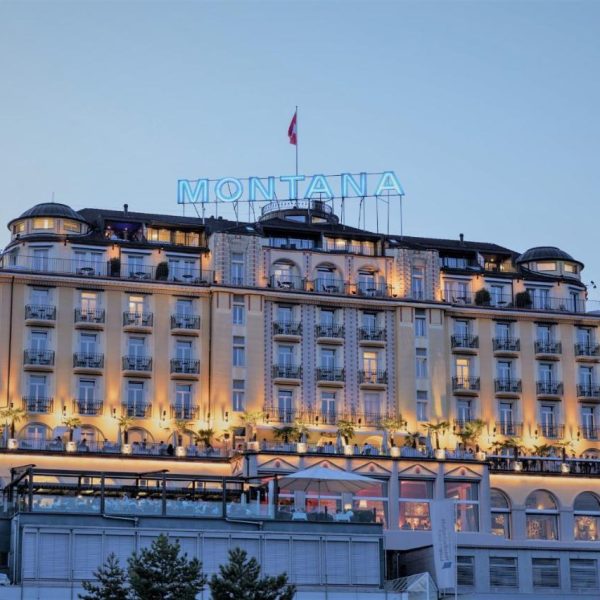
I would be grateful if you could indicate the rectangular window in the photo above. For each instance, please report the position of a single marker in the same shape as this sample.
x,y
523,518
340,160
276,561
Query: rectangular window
x,y
238,400
43,223
87,343
237,268
328,408
546,266
372,402
239,310
239,351
422,409
39,341
504,572
89,303
285,406
40,259
415,495
183,399
546,573
87,390
584,574
328,358
465,574
40,296
183,307
136,305
421,363
136,406
466,496
503,331
420,326
37,387
418,283
183,350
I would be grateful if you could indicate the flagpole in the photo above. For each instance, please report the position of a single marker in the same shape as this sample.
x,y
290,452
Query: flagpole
x,y
296,140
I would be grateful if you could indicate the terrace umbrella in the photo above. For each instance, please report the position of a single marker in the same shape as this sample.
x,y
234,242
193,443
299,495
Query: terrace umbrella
x,y
325,480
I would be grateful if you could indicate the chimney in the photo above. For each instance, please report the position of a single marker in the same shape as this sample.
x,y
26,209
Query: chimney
x,y
461,237
126,208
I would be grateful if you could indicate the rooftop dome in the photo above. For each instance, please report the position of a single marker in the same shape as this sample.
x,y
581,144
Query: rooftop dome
x,y
545,253
51,209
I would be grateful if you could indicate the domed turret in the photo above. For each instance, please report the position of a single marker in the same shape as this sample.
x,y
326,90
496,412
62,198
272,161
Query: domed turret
x,y
550,260
48,218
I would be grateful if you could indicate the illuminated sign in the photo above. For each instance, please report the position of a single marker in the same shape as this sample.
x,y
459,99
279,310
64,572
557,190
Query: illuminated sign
x,y
290,187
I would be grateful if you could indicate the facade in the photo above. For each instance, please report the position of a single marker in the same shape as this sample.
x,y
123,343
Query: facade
x,y
135,342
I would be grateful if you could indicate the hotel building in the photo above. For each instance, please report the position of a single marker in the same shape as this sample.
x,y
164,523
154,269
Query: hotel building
x,y
234,353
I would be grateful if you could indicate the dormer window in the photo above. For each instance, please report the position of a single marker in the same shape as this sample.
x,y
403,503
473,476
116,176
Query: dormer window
x,y
455,262
72,226
43,223
546,266
569,268
19,227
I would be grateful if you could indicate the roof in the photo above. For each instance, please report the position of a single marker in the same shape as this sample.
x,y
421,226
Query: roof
x,y
425,243
544,253
51,209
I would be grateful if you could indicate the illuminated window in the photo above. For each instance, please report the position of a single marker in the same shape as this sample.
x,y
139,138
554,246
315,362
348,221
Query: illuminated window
x,y
569,268
541,512
546,266
500,514
238,402
43,223
371,504
72,226
466,496
415,496
19,227
587,517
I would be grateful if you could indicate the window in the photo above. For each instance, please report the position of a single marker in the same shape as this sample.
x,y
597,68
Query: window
x,y
71,226
464,411
540,297
40,259
237,268
328,408
285,411
285,356
371,501
37,387
238,400
136,347
43,223
548,414
183,350
135,266
239,351
462,328
588,422
327,317
454,262
422,409
465,571
87,343
541,512
456,291
546,266
504,369
506,413
19,227
504,572
182,269
183,401
328,359
183,307
570,268
136,305
584,574
417,283
463,368
585,337
370,360
39,341
136,406
497,295
587,517
372,402
586,377
415,495
421,363
159,235
546,573
238,310
500,514
466,496
285,314
40,296
503,331
86,396
369,322
420,326
89,303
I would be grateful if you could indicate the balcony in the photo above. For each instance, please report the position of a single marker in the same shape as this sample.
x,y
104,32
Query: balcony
x,y
548,347
187,322
40,312
464,341
185,366
331,374
507,386
339,247
85,407
328,285
137,410
587,350
38,358
184,413
85,360
137,363
38,404
370,290
551,431
549,388
287,328
275,414
329,331
588,390
373,377
372,334
505,344
286,282
135,319
287,372
590,433
509,428
94,317
465,384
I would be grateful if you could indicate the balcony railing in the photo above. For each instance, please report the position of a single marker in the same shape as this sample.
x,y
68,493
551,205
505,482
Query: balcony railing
x,y
548,347
588,390
375,334
287,372
137,410
275,414
287,328
41,312
135,319
286,282
590,433
137,363
89,316
38,404
328,285
465,384
506,344
87,407
549,388
104,269
587,349
348,248
185,322
189,366
370,290
551,431
329,331
507,385
85,360
186,413
330,374
465,340
509,428
43,358
373,377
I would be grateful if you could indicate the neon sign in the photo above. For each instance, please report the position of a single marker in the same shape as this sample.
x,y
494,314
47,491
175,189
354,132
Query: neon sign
x,y
288,187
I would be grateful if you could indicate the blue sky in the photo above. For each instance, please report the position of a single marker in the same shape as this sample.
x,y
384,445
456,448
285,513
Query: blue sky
x,y
487,111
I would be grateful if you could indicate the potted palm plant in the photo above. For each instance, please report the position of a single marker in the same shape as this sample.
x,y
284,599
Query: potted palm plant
x,y
124,423
301,434
205,436
469,435
514,445
250,420
345,430
180,428
435,429
71,423
11,417
391,426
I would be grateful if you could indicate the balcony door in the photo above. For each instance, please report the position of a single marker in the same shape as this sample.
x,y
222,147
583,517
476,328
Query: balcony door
x,y
503,331
87,343
588,421
464,411
328,359
183,308
37,387
285,356
370,361
183,351
135,399
463,370
548,417
540,297
504,370
372,404
86,395
89,303
40,297
285,314
183,401
586,377
136,305
506,413
284,406
461,328
40,259
366,282
584,337
328,408
544,334
39,341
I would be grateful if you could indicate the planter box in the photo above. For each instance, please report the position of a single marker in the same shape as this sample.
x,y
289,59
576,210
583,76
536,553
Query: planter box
x,y
439,454
126,448
395,451
180,451
13,444
301,447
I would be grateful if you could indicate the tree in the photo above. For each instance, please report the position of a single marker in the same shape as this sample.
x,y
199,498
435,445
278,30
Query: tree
x,y
240,579
346,430
205,436
12,416
110,584
125,422
284,433
300,430
71,423
435,429
251,419
470,431
160,573
181,427
392,425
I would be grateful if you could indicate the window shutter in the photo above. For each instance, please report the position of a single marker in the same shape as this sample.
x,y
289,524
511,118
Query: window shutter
x,y
250,546
465,570
187,544
305,562
121,546
545,572
87,555
276,557
214,553
29,555
54,549
365,563
584,574
338,565
503,572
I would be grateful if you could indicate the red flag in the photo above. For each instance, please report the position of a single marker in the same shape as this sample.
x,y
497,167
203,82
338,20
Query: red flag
x,y
292,130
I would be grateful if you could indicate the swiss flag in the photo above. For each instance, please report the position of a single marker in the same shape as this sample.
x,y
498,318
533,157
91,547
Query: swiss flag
x,y
292,130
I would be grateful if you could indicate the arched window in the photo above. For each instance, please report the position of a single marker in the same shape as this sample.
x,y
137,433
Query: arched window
x,y
587,517
328,279
284,274
541,511
500,508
